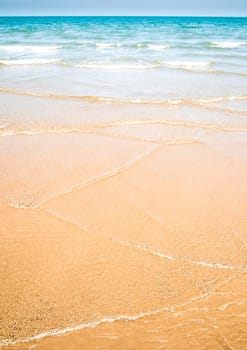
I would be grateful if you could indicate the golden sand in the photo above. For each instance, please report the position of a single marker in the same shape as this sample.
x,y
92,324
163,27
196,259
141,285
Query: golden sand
x,y
124,240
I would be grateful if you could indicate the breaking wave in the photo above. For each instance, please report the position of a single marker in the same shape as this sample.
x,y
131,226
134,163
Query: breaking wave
x,y
227,44
32,48
28,61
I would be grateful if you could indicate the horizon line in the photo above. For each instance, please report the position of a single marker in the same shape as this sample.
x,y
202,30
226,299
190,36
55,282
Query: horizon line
x,y
114,15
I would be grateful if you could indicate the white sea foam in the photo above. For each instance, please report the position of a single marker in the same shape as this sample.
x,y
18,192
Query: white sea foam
x,y
78,327
33,48
106,45
231,303
217,265
228,44
119,67
22,205
220,99
190,65
28,61
102,99
158,47
191,261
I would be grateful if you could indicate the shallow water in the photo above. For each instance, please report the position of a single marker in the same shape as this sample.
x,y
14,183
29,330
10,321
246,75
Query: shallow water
x,y
125,57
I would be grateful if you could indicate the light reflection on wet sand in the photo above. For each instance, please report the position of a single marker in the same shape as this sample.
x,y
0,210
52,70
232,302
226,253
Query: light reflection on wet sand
x,y
115,242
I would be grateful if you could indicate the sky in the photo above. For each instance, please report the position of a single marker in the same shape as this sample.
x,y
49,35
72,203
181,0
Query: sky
x,y
125,7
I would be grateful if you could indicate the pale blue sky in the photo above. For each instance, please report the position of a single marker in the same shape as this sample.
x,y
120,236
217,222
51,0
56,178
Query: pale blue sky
x,y
125,7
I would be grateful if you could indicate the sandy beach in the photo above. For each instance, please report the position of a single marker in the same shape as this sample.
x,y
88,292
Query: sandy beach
x,y
122,220
121,242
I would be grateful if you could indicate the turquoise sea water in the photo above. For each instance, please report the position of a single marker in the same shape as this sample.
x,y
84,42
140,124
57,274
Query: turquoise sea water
x,y
143,58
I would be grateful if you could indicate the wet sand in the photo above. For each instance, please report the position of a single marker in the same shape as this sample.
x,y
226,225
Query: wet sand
x,y
127,236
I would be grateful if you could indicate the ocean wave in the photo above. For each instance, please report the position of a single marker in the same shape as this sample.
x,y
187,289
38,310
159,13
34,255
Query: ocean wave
x,y
106,45
155,47
221,99
33,48
189,65
158,47
141,45
119,67
202,102
98,131
224,72
103,129
200,67
28,61
227,44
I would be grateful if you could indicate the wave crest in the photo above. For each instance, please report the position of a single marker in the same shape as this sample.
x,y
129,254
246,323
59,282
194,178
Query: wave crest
x,y
106,45
33,48
118,67
227,44
158,47
189,65
28,61
106,99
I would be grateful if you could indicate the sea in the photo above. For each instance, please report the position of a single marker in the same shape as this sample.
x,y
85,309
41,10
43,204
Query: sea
x,y
142,59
